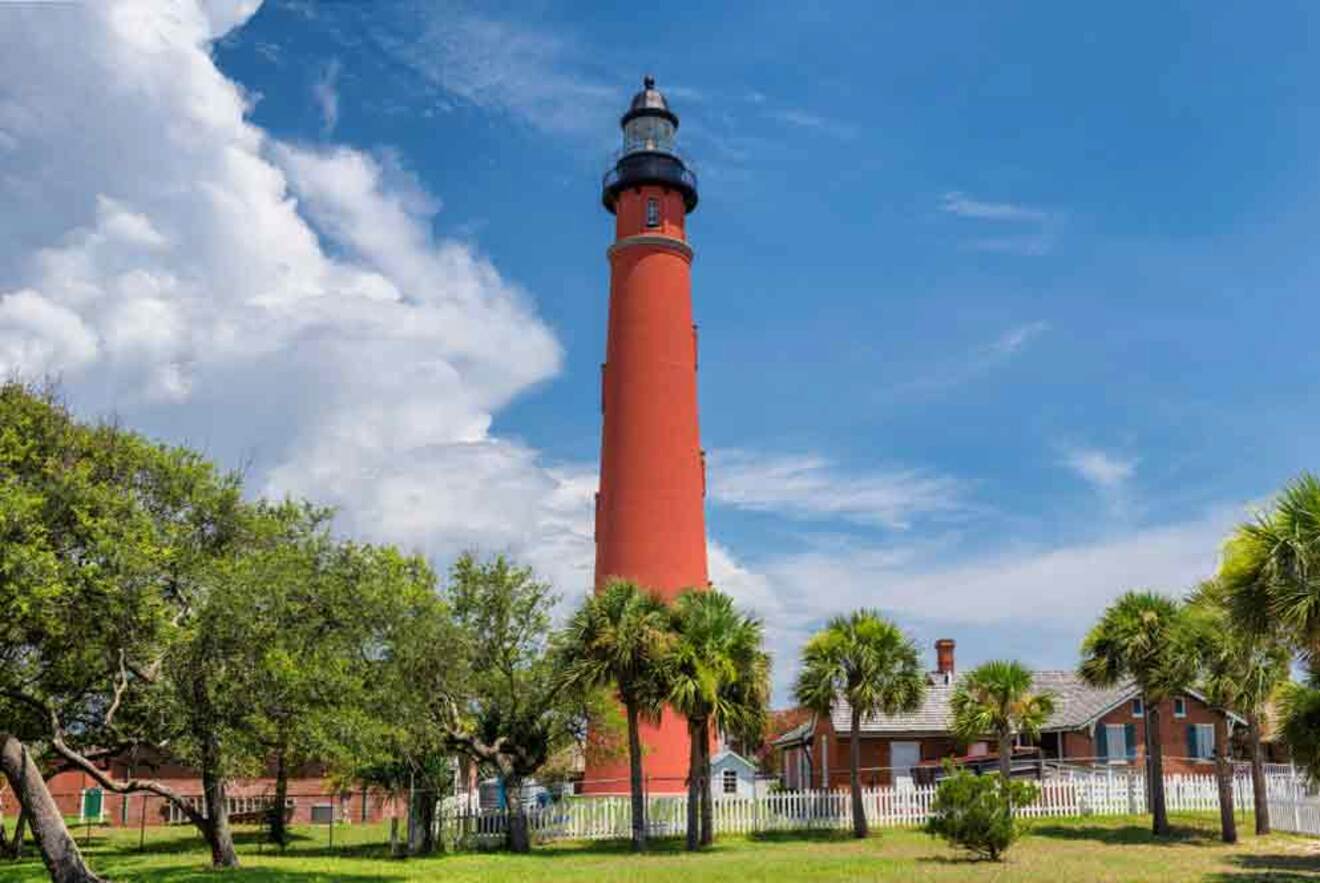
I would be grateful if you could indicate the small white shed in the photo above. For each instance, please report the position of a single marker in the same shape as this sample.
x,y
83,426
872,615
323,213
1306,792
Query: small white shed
x,y
732,775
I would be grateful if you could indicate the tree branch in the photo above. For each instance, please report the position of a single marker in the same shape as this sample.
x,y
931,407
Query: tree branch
x,y
80,762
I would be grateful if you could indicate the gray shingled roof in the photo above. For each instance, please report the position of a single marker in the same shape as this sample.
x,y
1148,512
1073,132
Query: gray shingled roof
x,y
1076,705
797,733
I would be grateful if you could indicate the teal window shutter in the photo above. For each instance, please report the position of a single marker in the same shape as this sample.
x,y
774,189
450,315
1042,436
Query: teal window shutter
x,y
1130,738
1101,748
1191,741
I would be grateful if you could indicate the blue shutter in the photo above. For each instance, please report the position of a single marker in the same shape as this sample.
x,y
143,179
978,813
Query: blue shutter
x,y
1191,741
1101,742
1130,737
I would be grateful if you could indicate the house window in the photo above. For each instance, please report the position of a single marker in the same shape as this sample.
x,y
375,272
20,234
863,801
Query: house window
x,y
652,212
729,781
1118,742
1201,741
1179,706
1137,709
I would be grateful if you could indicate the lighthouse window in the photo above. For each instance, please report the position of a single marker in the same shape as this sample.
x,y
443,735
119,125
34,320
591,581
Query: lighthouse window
x,y
653,212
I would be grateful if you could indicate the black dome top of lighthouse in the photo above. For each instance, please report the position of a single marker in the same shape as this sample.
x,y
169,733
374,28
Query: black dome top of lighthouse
x,y
649,154
649,102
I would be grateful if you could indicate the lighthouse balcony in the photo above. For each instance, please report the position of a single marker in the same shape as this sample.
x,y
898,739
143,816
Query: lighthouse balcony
x,y
634,168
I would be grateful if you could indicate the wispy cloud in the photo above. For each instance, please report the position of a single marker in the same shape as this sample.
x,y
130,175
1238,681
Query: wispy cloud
x,y
809,486
1034,229
1014,339
814,122
979,360
533,75
1101,469
325,92
957,203
1021,589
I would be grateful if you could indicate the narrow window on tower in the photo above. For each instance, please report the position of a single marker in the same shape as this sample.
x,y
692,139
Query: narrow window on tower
x,y
652,212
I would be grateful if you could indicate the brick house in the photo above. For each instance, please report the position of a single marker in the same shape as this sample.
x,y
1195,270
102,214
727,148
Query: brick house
x,y
312,795
1089,726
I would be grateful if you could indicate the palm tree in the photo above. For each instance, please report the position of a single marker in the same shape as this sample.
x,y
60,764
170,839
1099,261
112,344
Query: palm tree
x,y
1271,568
1238,670
1270,578
1299,706
865,660
621,637
1142,637
719,674
996,699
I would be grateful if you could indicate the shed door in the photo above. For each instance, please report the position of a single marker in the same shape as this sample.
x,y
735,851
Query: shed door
x,y
903,756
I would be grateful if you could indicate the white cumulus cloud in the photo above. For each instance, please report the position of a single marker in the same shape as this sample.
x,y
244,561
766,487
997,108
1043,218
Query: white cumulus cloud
x,y
271,303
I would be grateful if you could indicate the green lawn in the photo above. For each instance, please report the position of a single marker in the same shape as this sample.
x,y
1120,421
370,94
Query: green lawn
x,y
1062,850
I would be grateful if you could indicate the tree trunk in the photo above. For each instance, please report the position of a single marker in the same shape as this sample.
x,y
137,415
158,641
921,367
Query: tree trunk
x,y
519,841
58,849
1155,768
20,834
1005,757
855,774
218,835
1259,791
693,839
707,807
1224,775
13,848
279,832
423,810
635,780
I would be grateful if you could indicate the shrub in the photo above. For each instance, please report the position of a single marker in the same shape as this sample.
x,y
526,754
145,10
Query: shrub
x,y
976,812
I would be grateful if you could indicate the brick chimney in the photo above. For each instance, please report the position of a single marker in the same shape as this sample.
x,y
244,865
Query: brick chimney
x,y
944,657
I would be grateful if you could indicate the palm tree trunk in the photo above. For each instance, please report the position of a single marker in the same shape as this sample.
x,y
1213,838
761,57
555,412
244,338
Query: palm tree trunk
x,y
1005,757
855,774
707,806
59,851
1224,775
1155,768
694,784
635,779
1259,792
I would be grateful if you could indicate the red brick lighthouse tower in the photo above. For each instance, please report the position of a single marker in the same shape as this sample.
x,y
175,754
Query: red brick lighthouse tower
x,y
650,519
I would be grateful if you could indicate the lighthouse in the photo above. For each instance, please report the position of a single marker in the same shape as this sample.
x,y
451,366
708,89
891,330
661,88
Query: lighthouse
x,y
650,518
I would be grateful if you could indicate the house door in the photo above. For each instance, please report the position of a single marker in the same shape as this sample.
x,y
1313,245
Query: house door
x,y
903,756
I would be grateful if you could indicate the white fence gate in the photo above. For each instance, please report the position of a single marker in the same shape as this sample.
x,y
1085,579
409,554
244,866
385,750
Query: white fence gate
x,y
1293,806
1102,793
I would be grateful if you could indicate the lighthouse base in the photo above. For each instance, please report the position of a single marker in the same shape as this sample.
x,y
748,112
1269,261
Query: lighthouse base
x,y
664,761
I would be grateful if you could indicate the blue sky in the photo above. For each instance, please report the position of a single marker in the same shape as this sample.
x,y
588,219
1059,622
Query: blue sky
x,y
1004,309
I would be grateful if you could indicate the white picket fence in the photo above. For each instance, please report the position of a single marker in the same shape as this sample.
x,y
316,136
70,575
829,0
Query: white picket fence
x,y
1293,806
1072,794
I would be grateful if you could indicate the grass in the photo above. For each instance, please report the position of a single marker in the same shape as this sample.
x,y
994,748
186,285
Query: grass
x,y
1068,849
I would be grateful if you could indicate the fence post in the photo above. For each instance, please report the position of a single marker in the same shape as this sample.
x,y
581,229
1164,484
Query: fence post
x,y
1296,797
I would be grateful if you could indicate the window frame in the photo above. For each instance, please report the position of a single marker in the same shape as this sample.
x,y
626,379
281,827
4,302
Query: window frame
x,y
729,778
1205,741
1180,706
653,215
1137,707
1121,756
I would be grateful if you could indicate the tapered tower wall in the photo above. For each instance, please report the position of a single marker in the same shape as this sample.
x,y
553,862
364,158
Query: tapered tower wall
x,y
650,509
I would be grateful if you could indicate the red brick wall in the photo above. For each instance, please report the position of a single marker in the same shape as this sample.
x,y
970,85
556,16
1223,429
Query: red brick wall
x,y
874,756
1173,735
67,787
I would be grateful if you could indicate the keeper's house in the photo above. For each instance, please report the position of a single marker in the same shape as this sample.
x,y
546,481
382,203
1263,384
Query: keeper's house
x,y
1090,726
